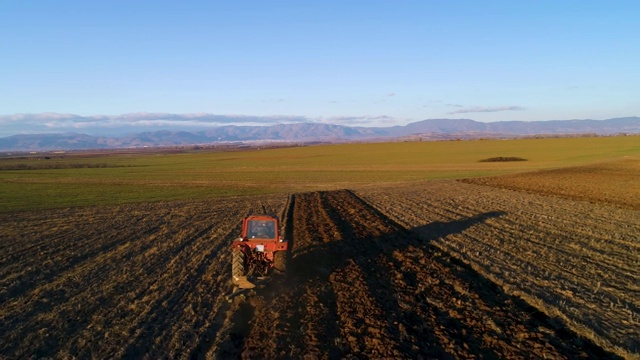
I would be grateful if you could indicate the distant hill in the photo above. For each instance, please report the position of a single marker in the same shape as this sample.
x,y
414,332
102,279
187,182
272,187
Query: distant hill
x,y
307,132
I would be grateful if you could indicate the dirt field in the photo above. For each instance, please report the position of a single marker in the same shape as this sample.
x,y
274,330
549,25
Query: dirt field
x,y
370,276
574,260
614,182
364,285
120,281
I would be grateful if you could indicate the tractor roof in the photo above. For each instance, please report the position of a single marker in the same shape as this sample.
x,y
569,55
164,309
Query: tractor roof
x,y
261,217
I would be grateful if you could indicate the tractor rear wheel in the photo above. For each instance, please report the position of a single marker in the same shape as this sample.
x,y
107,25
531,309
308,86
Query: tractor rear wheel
x,y
237,264
280,261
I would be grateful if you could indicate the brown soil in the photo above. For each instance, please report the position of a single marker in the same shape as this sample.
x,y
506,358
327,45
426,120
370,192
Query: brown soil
x,y
574,260
362,285
615,182
368,278
115,282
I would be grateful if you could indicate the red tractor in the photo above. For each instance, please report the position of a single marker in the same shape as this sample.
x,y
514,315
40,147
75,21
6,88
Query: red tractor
x,y
260,249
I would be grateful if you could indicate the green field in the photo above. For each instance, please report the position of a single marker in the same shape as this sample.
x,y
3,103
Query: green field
x,y
195,175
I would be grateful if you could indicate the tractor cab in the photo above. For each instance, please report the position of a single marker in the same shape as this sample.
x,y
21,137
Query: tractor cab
x,y
257,228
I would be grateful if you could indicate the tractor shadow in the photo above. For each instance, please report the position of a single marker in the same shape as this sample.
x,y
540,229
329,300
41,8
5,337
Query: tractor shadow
x,y
374,255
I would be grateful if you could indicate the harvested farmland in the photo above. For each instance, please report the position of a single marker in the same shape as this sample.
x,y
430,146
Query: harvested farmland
x,y
614,182
368,277
574,260
114,282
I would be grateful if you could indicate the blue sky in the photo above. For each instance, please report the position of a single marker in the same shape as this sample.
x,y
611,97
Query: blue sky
x,y
352,62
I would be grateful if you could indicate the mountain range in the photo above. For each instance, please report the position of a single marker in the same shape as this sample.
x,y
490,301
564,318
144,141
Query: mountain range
x,y
314,132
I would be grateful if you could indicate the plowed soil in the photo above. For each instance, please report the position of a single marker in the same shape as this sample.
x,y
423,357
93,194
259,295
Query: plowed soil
x,y
575,260
363,285
613,182
369,277
115,282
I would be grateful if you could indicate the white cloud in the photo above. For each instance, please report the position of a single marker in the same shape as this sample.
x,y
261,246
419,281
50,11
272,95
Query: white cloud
x,y
357,120
134,118
145,121
47,122
479,109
